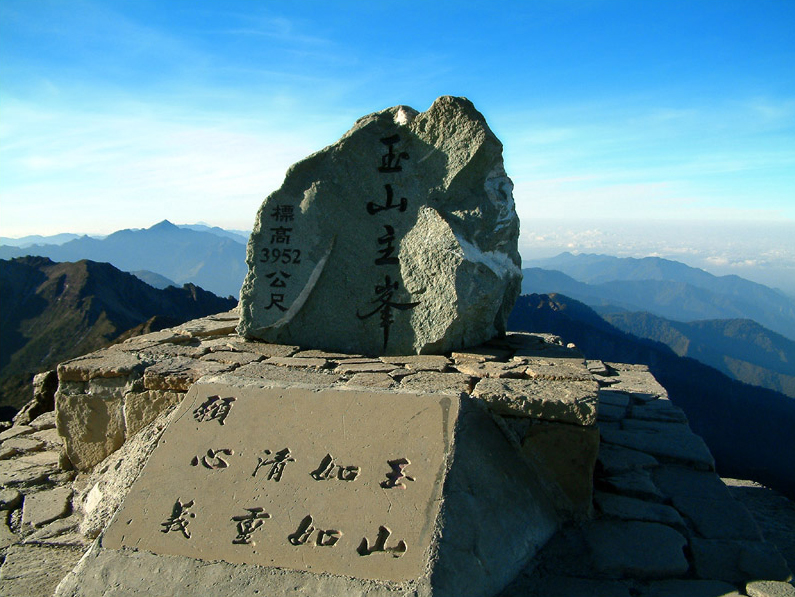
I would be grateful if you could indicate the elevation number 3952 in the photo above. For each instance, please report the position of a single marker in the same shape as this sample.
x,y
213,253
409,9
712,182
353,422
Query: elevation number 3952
x,y
280,255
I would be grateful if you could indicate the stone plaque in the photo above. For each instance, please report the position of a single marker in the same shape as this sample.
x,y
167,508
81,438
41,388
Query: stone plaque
x,y
327,481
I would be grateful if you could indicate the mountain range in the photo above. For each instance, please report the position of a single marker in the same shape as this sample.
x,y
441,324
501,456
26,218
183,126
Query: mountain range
x,y
52,312
209,257
741,328
748,429
662,287
739,348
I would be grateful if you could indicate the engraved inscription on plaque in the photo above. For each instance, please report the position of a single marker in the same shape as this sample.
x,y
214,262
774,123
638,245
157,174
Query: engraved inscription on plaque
x,y
256,476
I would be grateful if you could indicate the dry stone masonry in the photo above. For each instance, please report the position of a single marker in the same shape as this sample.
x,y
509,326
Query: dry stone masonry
x,y
401,238
643,492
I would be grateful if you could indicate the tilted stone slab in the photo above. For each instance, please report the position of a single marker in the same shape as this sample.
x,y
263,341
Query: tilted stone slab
x,y
636,549
769,588
636,380
613,460
32,468
401,238
424,362
346,492
564,401
23,574
45,506
179,373
102,363
683,447
559,368
629,508
738,561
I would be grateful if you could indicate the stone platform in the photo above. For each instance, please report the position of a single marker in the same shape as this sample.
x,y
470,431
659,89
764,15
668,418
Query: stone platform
x,y
652,519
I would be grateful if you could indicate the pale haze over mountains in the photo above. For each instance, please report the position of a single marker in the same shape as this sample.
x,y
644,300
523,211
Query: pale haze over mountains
x,y
763,252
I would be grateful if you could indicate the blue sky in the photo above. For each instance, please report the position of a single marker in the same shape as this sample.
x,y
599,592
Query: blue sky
x,y
118,114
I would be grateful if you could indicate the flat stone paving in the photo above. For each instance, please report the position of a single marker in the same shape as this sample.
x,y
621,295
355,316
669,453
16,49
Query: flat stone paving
x,y
685,508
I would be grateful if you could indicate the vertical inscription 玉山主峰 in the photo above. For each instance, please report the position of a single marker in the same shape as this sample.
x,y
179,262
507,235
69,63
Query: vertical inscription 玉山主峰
x,y
386,289
280,256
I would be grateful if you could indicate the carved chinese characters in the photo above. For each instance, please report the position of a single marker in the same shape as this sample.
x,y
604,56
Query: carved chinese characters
x,y
279,256
401,238
384,291
275,485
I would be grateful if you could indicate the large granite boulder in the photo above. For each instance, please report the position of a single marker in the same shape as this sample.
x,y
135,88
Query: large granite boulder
x,y
401,238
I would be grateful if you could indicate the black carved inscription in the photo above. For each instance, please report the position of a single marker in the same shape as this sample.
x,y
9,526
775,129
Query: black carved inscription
x,y
179,520
329,469
278,279
303,535
280,256
394,478
390,161
213,459
277,300
398,550
276,463
387,239
214,408
385,304
247,524
373,208
280,235
283,213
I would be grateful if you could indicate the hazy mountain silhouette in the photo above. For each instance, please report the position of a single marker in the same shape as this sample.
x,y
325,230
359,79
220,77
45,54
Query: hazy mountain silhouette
x,y
209,260
748,429
236,235
38,239
52,312
154,280
739,348
665,288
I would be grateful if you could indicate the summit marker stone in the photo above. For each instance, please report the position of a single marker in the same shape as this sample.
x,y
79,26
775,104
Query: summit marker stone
x,y
401,238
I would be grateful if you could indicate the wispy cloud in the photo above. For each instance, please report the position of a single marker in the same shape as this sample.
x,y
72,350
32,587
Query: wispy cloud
x,y
127,169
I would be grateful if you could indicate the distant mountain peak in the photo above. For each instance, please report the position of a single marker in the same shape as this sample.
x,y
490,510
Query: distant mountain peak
x,y
164,225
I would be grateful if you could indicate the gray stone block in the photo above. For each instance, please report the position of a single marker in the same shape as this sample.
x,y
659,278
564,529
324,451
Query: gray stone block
x,y
45,506
718,518
636,549
690,588
769,588
401,238
453,546
737,561
23,575
687,448
613,460
629,508
635,483
562,401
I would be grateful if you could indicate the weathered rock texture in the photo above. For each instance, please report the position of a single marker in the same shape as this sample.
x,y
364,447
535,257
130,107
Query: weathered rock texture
x,y
401,238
